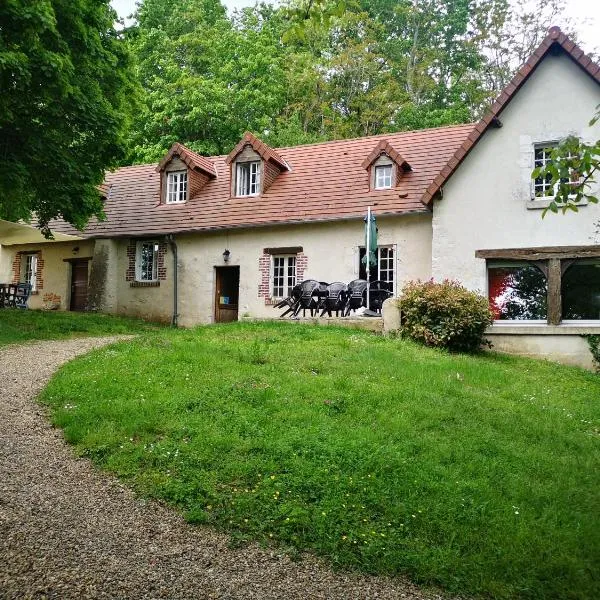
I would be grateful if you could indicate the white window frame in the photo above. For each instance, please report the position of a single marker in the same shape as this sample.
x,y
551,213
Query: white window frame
x,y
177,183
286,284
247,178
383,177
30,271
545,148
139,273
394,259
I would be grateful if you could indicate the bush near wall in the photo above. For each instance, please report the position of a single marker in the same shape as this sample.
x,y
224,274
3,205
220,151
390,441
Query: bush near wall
x,y
444,315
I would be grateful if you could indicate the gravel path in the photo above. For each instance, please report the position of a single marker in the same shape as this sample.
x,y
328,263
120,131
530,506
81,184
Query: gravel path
x,y
70,531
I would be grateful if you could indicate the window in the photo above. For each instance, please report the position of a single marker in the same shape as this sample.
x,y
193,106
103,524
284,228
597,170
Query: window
x,y
517,292
384,270
146,262
30,270
383,177
580,291
542,188
247,179
177,187
284,276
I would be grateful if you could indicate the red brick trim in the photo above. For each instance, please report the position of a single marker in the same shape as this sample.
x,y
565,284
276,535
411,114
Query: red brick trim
x,y
17,265
264,269
131,253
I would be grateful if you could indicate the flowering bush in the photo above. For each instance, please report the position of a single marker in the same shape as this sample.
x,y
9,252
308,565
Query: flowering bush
x,y
444,315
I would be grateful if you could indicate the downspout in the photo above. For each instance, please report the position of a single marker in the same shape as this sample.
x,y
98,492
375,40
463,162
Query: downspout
x,y
173,244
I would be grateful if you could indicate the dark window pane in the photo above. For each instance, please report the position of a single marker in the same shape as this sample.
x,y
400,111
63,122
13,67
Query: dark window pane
x,y
581,291
517,292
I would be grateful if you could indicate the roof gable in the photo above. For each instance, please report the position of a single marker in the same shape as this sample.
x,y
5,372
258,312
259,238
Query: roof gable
x,y
265,152
192,159
555,40
384,147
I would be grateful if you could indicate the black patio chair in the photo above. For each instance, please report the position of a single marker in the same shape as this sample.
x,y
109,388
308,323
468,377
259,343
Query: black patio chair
x,y
336,299
21,295
321,295
378,293
308,297
357,295
291,301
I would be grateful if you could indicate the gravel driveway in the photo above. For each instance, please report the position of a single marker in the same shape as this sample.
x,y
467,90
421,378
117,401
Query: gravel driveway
x,y
70,531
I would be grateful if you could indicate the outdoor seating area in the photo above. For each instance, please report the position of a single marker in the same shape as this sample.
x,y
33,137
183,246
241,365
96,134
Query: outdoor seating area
x,y
14,295
321,298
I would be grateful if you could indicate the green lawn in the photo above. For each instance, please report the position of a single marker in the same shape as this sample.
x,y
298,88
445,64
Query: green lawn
x,y
477,474
24,325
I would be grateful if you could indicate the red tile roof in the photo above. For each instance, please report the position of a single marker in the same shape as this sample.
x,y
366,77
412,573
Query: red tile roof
x,y
555,39
265,152
326,182
190,158
384,147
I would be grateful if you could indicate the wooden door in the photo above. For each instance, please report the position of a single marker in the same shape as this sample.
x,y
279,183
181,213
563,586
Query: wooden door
x,y
79,284
227,291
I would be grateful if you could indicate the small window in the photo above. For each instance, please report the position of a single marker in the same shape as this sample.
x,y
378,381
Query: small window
x,y
284,276
177,187
29,274
542,186
146,262
581,291
248,179
517,291
384,270
383,177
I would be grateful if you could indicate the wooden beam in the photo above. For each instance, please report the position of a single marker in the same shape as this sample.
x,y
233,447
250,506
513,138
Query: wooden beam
x,y
542,253
554,291
283,250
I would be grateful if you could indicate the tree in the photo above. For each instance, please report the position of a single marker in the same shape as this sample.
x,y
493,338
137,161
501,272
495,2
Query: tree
x,y
571,171
66,86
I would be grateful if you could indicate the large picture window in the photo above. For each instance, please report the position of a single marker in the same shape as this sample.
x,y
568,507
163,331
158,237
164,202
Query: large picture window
x,y
284,276
146,263
517,291
580,291
384,270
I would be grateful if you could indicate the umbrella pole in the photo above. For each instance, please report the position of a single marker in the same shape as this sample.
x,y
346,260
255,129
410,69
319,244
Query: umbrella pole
x,y
368,253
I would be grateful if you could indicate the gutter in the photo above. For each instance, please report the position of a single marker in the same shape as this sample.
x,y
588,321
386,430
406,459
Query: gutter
x,y
173,245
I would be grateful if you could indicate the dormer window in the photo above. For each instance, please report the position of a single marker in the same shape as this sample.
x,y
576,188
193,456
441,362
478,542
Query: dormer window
x,y
177,187
247,178
383,177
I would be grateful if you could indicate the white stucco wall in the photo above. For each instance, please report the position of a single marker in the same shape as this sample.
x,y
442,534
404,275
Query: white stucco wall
x,y
484,204
331,250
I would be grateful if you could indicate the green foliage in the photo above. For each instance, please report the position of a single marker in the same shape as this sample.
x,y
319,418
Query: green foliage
x,y
594,344
66,88
571,171
444,315
25,325
479,474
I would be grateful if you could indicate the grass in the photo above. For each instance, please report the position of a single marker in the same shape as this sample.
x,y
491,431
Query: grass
x,y
477,474
25,325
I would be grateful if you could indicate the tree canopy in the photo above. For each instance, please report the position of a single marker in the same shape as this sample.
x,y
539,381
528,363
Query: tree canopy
x,y
65,92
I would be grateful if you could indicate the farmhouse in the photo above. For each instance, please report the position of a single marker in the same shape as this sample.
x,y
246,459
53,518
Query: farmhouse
x,y
199,239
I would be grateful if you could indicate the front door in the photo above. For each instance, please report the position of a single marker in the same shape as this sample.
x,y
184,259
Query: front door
x,y
79,284
227,291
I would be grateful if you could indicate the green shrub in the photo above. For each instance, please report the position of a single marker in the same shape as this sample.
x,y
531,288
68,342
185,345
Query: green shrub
x,y
594,344
444,315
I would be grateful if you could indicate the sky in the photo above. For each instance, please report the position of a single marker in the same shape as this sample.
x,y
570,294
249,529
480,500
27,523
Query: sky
x,y
580,10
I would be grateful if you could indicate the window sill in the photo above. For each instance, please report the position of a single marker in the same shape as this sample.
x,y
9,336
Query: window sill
x,y
541,203
144,284
540,328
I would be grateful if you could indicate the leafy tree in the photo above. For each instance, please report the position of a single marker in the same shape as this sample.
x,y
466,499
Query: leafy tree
x,y
65,81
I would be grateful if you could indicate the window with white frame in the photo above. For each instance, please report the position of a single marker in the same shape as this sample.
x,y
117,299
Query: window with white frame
x,y
384,270
177,187
542,186
247,178
146,261
284,276
383,177
29,274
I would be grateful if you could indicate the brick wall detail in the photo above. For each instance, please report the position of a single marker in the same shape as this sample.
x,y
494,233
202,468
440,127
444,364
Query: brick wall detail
x,y
264,269
131,252
270,174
